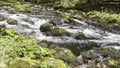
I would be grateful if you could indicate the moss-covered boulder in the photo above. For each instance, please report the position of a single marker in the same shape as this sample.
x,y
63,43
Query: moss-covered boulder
x,y
66,55
59,32
88,55
12,21
49,30
24,63
109,52
46,27
2,25
52,63
80,35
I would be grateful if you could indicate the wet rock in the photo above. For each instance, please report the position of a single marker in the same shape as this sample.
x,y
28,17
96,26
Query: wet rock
x,y
80,35
56,22
59,32
72,22
31,22
66,55
24,63
88,55
26,26
46,27
52,63
109,52
12,21
50,31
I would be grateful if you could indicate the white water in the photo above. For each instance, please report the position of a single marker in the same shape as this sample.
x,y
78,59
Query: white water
x,y
26,27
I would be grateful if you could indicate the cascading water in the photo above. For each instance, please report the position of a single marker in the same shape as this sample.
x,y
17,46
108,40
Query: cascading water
x,y
29,24
26,27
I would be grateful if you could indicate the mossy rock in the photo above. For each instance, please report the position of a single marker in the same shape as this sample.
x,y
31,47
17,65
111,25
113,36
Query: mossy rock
x,y
2,25
46,27
109,52
59,32
10,32
24,63
66,55
52,63
12,21
80,35
88,55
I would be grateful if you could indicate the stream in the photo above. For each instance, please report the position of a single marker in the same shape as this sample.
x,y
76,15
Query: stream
x,y
29,24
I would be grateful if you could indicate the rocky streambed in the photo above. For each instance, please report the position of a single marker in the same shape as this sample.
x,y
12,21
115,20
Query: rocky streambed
x,y
94,47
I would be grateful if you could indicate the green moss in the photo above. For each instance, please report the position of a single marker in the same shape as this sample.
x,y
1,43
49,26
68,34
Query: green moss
x,y
112,63
65,54
24,52
88,55
52,63
10,32
111,52
50,31
22,7
24,63
105,20
59,32
2,25
2,3
78,17
67,15
12,21
46,27
15,45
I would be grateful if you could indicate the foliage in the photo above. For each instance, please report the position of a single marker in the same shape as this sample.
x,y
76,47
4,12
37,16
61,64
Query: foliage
x,y
72,3
109,21
24,52
22,7
112,62
45,1
14,45
69,3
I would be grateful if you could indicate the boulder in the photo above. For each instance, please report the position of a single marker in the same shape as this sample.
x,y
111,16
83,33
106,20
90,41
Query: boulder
x,y
52,63
59,32
80,35
12,21
24,63
46,27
